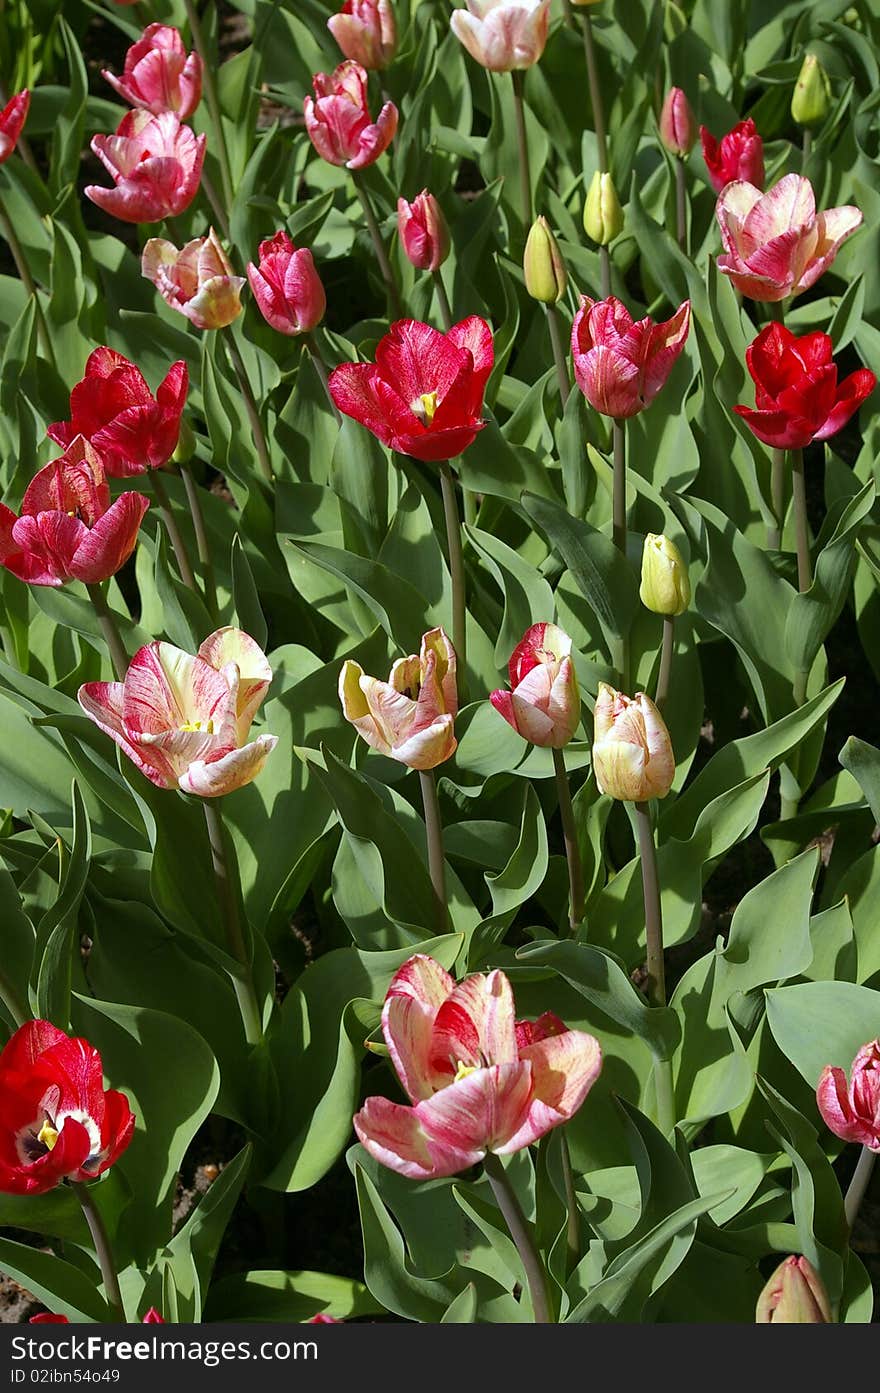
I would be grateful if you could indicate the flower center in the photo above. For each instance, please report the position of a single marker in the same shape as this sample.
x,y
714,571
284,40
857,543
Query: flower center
x,y
206,726
425,406
47,1135
463,1070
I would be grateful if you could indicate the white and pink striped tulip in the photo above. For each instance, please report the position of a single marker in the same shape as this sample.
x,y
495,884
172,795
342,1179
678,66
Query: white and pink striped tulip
x,y
411,716
544,703
852,1111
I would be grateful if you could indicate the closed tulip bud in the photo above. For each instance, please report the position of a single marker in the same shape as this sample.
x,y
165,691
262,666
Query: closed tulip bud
x,y
543,703
632,751
603,215
811,101
544,268
423,232
197,280
794,1295
665,588
678,127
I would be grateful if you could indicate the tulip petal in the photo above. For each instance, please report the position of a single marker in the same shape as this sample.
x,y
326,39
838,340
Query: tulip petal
x,y
233,771
564,1069
103,703
231,645
108,545
834,1104
393,1135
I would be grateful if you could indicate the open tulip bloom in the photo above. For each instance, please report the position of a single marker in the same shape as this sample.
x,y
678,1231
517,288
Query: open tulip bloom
x,y
155,164
503,35
852,1110
338,118
197,281
737,155
366,32
544,703
620,364
159,75
478,1080
410,717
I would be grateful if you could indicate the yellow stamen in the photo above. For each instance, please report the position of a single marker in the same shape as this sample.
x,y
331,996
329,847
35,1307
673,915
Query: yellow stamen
x,y
208,726
47,1135
429,405
463,1071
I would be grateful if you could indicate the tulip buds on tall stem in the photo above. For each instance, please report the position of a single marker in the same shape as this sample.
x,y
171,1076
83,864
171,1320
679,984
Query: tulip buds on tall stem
x,y
546,280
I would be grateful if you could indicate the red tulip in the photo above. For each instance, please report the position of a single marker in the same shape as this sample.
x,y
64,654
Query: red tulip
x,y
797,395
57,1120
853,1112
287,287
366,32
678,127
159,75
321,1319
12,119
423,233
544,704
155,164
424,393
619,365
738,155
114,409
338,119
68,528
46,1318
197,280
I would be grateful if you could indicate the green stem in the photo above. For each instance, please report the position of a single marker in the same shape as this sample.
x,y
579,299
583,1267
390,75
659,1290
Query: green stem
x,y
516,1222
595,93
250,406
572,850
434,836
378,244
573,1223
666,655
103,1250
229,898
216,205
802,531
174,534
321,369
605,271
27,281
203,545
656,983
443,300
471,506
806,149
525,177
858,1185
209,69
559,357
456,565
107,624
777,499
681,205
620,656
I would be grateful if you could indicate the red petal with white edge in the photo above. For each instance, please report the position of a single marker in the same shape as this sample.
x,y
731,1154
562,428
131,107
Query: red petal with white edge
x,y
665,343
417,360
165,687
503,703
476,1024
427,748
482,1111
76,1068
230,645
790,204
392,1134
832,1099
229,773
103,703
108,545
564,1069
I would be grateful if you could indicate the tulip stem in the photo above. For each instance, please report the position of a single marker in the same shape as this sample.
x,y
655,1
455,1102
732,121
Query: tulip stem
x,y
229,896
802,534
525,175
858,1185
559,357
456,564
573,1224
605,271
806,149
434,835
378,244
595,94
667,652
212,98
620,657
777,499
27,281
321,369
250,406
681,205
103,1251
174,534
516,1222
655,986
107,623
572,850
443,300
203,545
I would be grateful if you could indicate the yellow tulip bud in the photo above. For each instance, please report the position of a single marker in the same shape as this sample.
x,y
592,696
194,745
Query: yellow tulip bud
x,y
632,751
665,587
544,268
811,101
603,215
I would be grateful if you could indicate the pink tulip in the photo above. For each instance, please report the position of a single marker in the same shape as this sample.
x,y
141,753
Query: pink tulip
x,y
678,127
776,244
503,35
411,716
287,287
12,119
197,280
738,155
184,720
155,164
544,703
338,119
474,1087
423,232
853,1112
366,32
159,75
621,365
68,529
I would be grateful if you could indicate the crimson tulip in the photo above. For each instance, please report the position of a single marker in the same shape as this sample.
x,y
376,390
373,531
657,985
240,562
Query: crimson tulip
x,y
286,286
57,1121
366,32
423,232
852,1111
12,119
620,365
798,397
68,529
544,703
473,1085
737,155
424,393
155,164
197,280
159,75
114,409
338,118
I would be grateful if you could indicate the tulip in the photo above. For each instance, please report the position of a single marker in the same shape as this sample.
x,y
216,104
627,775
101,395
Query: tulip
x,y
665,587
739,155
12,119
853,1112
321,1319
776,244
366,32
503,35
184,720
114,409
68,529
678,127
544,703
423,232
603,215
794,1295
159,75
197,280
474,1088
811,100
543,266
155,164
287,287
411,716
57,1121
424,393
620,366
338,119
632,751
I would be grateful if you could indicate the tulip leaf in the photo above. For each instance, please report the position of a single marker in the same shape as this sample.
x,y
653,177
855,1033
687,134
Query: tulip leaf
x,y
261,1295
812,614
245,598
57,937
599,570
17,942
63,1288
819,1023
462,1309
528,598
863,762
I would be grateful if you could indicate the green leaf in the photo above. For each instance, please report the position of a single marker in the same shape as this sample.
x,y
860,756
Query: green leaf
x,y
811,615
288,1296
819,1023
245,599
57,938
602,574
863,762
65,1289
